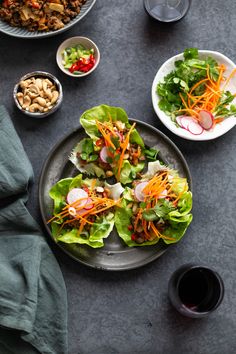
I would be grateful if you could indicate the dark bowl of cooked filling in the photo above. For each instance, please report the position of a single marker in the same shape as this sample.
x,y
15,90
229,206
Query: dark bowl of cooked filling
x,y
39,18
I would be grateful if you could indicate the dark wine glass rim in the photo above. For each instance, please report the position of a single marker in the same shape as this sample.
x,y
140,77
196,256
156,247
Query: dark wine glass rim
x,y
191,267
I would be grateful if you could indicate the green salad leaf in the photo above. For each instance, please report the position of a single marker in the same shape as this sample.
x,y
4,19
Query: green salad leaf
x,y
175,219
224,109
190,75
129,172
160,211
101,113
123,216
87,152
85,149
151,153
104,113
60,190
186,74
100,229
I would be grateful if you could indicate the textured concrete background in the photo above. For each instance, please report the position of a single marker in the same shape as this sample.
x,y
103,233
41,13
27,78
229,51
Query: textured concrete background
x,y
129,312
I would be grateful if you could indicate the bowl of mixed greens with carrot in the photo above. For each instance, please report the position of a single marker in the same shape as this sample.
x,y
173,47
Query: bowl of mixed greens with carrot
x,y
193,94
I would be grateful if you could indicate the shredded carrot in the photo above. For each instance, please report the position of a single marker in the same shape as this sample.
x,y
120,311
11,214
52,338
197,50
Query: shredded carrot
x,y
198,84
106,136
214,84
124,147
229,78
153,192
98,205
218,120
209,99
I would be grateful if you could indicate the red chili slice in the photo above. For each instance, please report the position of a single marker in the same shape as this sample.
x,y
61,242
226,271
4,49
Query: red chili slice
x,y
74,67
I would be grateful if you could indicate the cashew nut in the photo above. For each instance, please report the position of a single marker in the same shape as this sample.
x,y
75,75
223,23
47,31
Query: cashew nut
x,y
50,84
25,83
41,101
38,94
20,98
26,102
33,88
39,83
55,96
35,107
46,90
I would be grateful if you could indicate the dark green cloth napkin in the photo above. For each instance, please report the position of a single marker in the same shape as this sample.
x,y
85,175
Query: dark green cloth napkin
x,y
33,301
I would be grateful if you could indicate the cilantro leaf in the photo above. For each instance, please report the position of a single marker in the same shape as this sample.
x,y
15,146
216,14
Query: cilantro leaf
x,y
186,74
86,150
221,109
190,53
160,210
151,153
87,146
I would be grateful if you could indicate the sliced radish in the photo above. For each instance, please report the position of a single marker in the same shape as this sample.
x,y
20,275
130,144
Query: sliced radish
x,y
81,211
138,192
120,136
185,120
76,194
89,204
206,119
195,128
163,194
104,154
178,120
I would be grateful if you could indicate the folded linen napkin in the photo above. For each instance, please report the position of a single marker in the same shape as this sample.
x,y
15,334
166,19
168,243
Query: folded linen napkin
x,y
33,302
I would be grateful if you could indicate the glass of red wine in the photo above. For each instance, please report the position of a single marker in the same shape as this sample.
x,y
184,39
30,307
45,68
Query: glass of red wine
x,y
195,290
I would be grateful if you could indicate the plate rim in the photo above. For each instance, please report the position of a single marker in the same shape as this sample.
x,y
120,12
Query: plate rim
x,y
46,226
166,120
38,34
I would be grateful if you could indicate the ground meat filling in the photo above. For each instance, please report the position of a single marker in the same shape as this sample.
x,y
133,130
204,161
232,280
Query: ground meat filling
x,y
40,15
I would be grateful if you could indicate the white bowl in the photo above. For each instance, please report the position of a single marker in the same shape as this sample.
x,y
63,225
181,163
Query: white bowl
x,y
220,128
71,42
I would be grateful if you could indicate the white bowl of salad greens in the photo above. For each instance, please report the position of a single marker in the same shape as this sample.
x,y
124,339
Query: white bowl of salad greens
x,y
193,94
78,56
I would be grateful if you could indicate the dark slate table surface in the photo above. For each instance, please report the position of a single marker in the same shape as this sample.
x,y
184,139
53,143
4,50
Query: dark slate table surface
x,y
129,312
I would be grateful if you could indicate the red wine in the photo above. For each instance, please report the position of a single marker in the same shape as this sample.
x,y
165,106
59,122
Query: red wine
x,y
193,289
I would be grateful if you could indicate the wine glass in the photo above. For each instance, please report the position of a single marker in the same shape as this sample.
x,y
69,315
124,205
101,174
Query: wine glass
x,y
167,10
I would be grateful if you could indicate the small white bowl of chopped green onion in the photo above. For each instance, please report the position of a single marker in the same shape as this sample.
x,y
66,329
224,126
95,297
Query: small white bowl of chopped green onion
x,y
78,56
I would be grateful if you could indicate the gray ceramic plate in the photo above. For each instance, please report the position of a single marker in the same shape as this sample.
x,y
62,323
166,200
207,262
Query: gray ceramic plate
x,y
115,255
24,33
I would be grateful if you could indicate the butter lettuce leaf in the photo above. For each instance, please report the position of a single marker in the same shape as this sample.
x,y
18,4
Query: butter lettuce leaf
x,y
129,172
60,190
90,168
88,149
123,217
176,219
101,113
100,230
104,113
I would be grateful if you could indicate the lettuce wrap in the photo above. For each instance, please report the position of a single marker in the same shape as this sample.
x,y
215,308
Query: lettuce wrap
x,y
83,210
114,147
158,207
